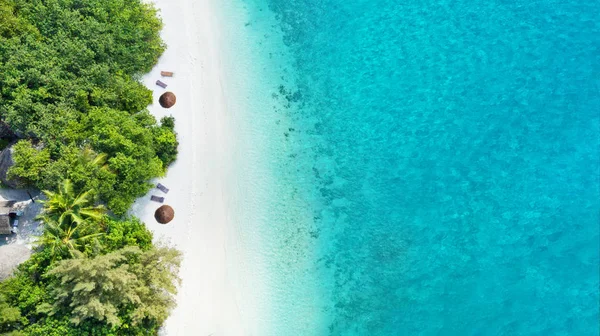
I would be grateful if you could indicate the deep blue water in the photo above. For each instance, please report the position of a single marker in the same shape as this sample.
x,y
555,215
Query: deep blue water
x,y
454,149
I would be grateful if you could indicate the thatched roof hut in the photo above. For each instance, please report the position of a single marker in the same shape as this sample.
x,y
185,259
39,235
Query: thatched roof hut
x,y
167,99
164,214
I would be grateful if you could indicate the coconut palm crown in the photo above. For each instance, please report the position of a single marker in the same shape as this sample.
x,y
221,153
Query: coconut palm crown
x,y
65,242
69,219
68,209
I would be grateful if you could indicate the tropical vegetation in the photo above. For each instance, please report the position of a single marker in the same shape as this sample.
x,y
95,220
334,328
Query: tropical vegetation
x,y
70,90
92,274
70,93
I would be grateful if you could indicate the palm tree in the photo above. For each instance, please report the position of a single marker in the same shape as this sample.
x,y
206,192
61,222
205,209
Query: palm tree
x,y
88,156
67,218
68,209
64,242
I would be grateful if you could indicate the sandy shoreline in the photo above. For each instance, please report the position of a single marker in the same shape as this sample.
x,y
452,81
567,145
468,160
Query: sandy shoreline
x,y
207,298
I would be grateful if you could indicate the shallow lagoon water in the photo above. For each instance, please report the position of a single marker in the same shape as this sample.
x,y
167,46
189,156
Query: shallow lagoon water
x,y
412,168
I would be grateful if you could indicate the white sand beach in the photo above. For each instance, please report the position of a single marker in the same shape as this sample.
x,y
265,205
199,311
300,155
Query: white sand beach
x,y
206,302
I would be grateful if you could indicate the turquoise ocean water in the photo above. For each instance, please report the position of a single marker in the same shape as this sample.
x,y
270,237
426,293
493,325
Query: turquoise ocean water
x,y
417,167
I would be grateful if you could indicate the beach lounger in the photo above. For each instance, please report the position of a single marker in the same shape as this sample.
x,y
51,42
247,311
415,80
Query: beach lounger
x,y
166,73
162,188
157,199
161,84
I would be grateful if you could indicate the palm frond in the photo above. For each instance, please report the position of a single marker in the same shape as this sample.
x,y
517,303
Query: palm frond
x,y
62,219
100,159
82,199
67,187
76,218
93,213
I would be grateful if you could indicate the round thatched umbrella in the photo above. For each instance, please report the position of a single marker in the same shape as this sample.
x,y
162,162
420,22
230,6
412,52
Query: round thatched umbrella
x,y
167,99
164,214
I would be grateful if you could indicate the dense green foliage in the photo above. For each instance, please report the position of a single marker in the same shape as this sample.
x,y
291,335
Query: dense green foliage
x,y
92,275
10,317
125,232
127,279
69,81
69,90
69,209
71,222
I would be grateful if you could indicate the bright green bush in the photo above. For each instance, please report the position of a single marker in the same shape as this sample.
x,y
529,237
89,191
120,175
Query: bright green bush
x,y
127,232
10,317
30,162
